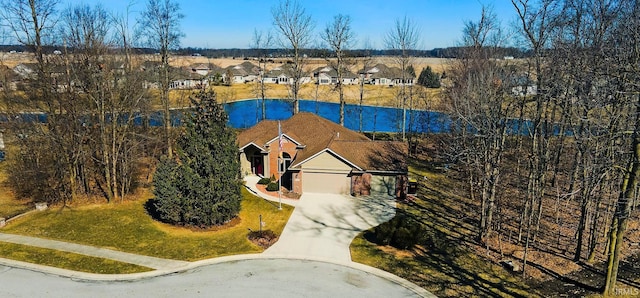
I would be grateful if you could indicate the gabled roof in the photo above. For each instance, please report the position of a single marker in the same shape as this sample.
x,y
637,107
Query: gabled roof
x,y
204,67
244,68
282,70
382,71
318,135
332,72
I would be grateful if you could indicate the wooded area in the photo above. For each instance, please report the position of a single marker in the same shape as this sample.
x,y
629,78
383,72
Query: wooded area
x,y
549,145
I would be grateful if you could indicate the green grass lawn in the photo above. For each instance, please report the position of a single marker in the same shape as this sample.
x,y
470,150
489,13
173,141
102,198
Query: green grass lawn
x,y
127,227
447,267
66,260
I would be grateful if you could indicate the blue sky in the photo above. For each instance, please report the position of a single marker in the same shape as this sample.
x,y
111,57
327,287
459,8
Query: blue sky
x,y
230,23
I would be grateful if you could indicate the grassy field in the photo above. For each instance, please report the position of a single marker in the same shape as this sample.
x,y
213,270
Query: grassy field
x,y
373,95
127,227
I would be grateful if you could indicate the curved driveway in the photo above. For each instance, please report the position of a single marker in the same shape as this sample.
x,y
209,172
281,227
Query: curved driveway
x,y
322,226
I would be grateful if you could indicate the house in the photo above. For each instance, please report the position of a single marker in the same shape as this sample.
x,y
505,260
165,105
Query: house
x,y
320,156
381,74
204,69
328,75
283,75
243,72
184,78
524,86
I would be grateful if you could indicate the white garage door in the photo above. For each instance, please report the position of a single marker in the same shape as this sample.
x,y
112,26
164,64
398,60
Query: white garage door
x,y
326,183
383,185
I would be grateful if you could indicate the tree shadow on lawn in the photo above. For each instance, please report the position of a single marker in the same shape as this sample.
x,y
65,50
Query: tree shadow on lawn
x,y
447,269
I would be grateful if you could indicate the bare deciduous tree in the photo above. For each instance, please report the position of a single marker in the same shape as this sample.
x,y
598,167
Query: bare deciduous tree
x,y
339,37
479,103
403,39
261,43
159,27
295,28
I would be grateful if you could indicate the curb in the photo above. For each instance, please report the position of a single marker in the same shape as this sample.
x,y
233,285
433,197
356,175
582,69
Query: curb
x,y
82,276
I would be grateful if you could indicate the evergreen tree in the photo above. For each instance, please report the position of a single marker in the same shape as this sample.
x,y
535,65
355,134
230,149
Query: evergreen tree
x,y
411,71
206,177
428,78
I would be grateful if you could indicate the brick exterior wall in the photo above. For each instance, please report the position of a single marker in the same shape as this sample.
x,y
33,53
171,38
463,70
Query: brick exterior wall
x,y
287,146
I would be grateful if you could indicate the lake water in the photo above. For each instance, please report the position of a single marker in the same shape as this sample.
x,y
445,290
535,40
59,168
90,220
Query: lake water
x,y
246,113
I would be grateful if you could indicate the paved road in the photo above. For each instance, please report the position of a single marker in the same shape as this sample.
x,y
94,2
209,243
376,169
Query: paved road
x,y
247,278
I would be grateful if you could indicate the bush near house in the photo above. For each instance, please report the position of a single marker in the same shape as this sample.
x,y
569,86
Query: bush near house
x,y
264,181
273,186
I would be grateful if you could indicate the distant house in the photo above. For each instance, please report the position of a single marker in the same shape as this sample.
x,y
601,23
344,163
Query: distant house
x,y
319,156
8,78
327,75
524,86
184,78
243,72
205,69
381,74
283,75
25,70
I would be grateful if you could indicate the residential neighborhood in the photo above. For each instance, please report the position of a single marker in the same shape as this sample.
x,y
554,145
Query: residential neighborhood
x,y
290,148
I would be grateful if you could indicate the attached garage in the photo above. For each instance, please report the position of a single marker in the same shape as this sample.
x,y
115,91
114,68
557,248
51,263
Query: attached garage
x,y
336,183
383,185
326,173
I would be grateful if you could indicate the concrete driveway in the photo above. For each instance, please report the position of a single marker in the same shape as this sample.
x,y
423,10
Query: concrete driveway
x,y
323,225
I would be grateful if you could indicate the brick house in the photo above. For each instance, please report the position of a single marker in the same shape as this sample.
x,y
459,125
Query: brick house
x,y
320,156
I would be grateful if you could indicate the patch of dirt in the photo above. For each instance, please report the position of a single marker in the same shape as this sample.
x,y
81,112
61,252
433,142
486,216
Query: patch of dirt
x,y
263,239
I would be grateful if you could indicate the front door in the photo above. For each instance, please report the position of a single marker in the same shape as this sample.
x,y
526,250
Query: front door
x,y
257,166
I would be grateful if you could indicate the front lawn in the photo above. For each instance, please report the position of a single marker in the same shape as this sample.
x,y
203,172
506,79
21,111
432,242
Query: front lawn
x,y
127,227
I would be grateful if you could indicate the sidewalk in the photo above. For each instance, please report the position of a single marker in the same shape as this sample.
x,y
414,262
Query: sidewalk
x,y
146,261
250,183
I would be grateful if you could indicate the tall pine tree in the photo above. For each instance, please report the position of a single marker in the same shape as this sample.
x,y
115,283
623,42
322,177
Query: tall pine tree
x,y
428,78
202,188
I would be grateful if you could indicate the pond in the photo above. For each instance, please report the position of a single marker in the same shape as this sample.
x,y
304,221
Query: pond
x,y
246,113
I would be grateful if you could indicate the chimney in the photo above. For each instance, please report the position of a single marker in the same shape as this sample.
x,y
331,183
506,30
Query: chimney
x,y
338,136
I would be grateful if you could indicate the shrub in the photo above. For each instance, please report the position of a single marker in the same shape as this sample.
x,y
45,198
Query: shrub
x,y
403,238
273,186
400,232
384,232
264,181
